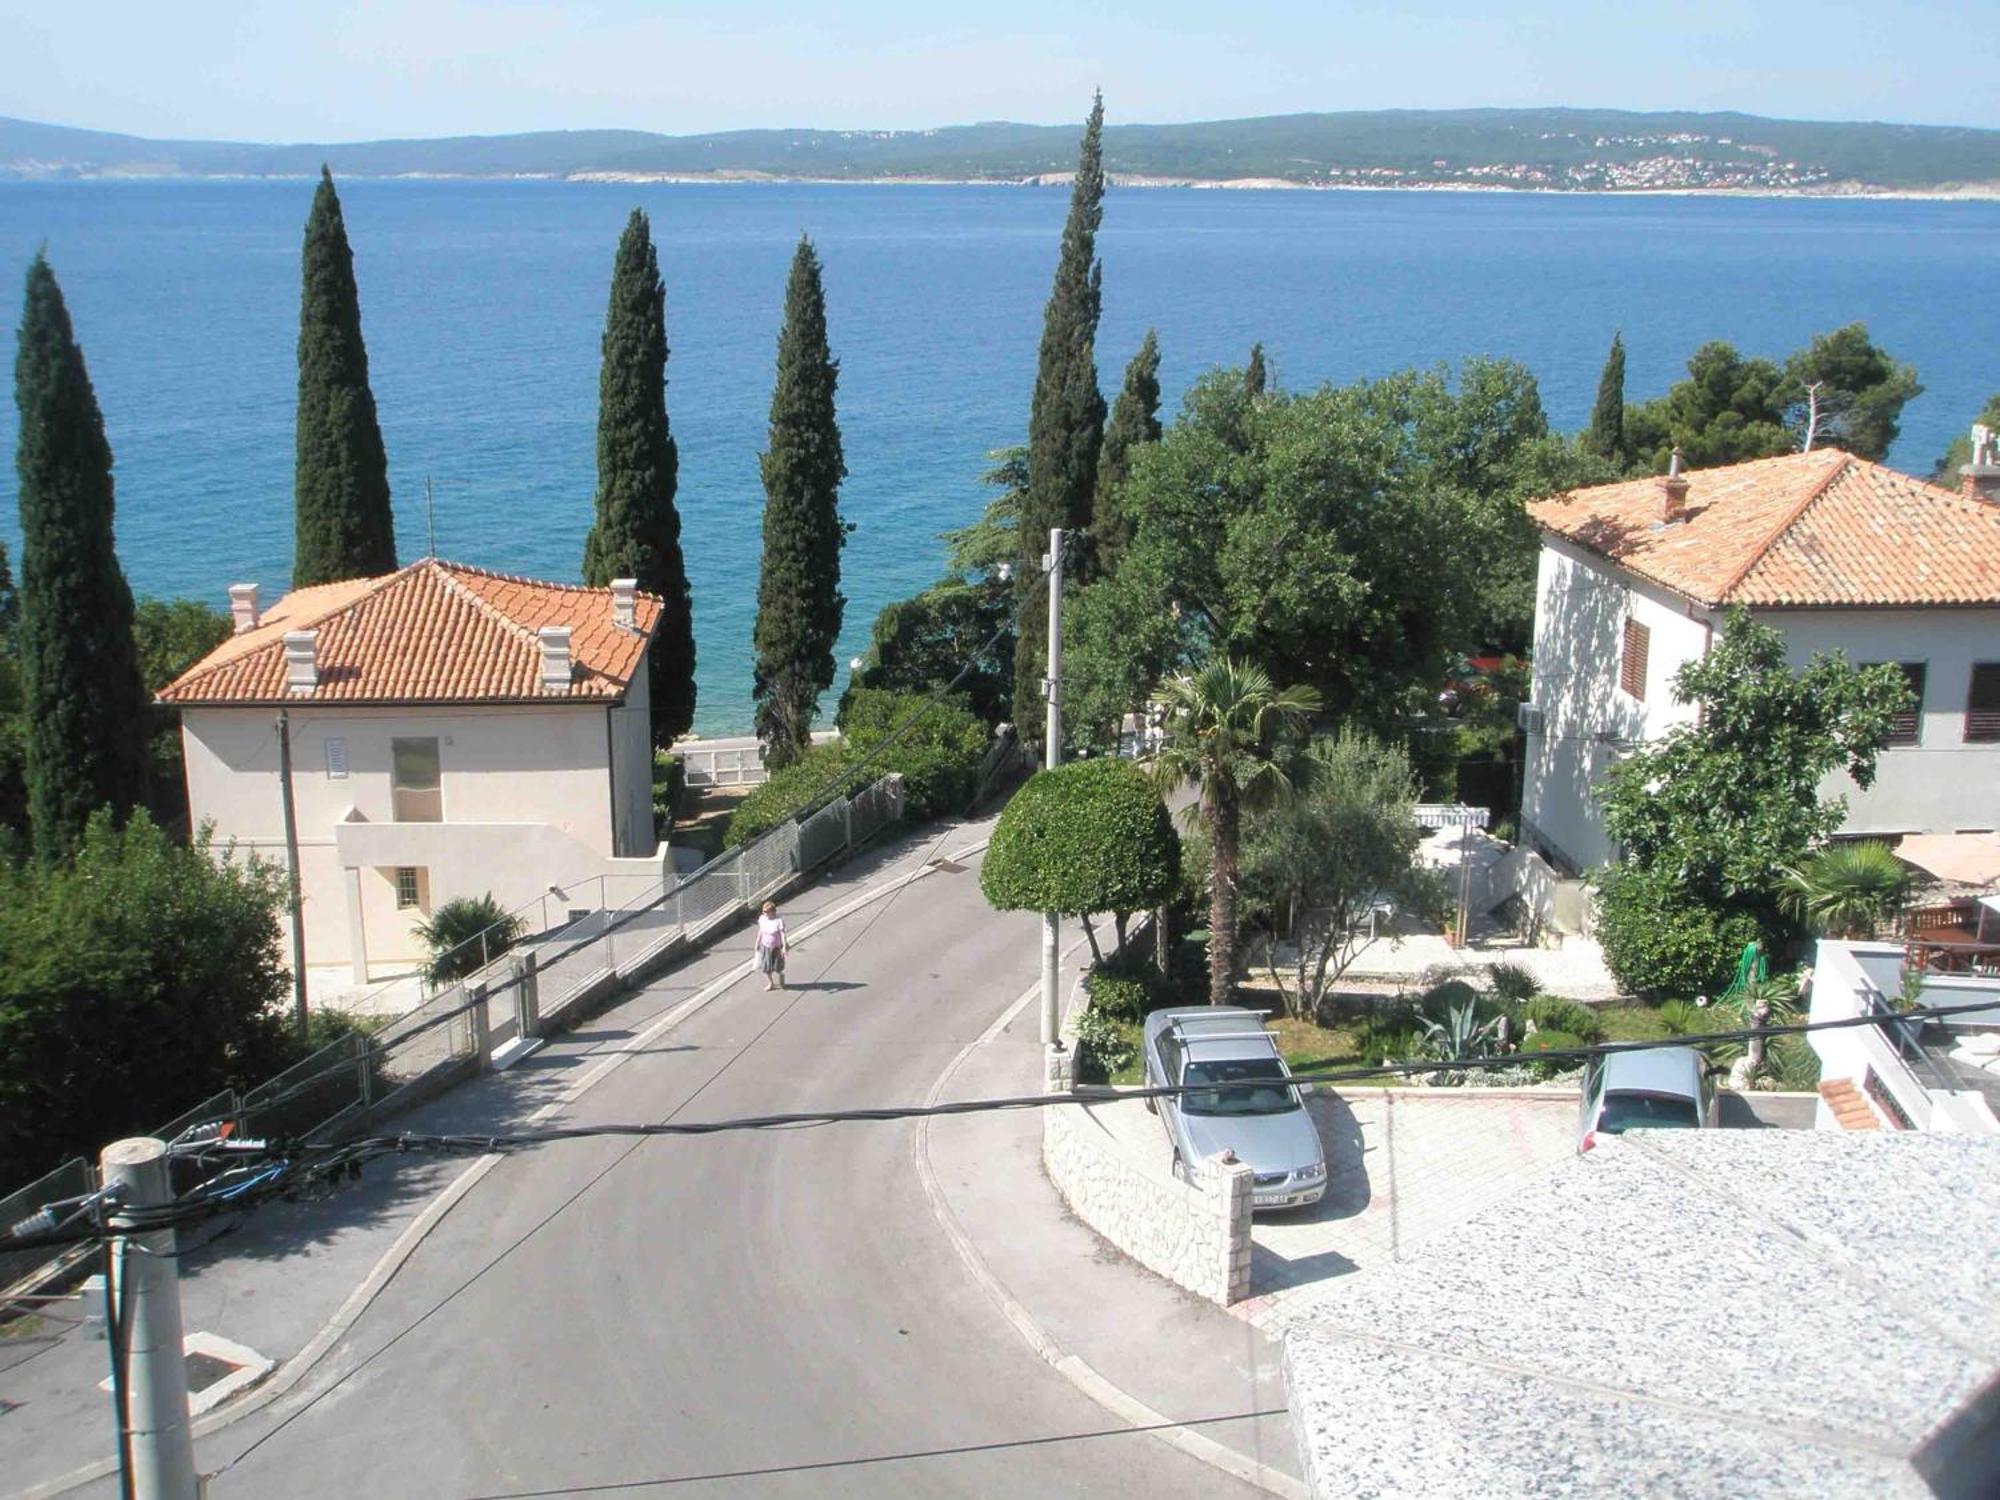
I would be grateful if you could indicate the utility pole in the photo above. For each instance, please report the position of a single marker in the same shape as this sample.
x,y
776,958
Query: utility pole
x,y
292,867
149,1367
1052,757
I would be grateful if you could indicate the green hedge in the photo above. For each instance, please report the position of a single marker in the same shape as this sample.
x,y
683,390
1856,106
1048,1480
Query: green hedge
x,y
1660,943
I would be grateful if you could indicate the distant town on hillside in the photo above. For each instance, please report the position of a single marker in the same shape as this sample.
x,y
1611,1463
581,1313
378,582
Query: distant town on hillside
x,y
1540,149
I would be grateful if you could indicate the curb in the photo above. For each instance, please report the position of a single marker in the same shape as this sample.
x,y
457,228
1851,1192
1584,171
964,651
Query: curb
x,y
1113,1398
392,1260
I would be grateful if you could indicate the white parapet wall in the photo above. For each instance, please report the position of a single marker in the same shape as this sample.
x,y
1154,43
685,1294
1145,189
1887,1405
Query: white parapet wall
x,y
1198,1237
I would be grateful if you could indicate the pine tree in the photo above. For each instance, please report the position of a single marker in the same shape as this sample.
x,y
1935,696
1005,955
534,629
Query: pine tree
x,y
1254,379
345,527
1135,419
1066,421
799,602
83,702
638,530
1606,436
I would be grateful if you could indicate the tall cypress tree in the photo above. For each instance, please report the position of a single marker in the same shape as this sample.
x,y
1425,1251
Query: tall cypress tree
x,y
83,700
799,603
1606,435
341,484
1066,421
638,530
1254,378
1135,420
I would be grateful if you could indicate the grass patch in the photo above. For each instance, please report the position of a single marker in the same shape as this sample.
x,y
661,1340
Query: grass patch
x,y
1310,1048
1631,1021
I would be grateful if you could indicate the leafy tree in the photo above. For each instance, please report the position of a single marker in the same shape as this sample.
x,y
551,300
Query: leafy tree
x,y
1846,393
1223,726
1066,419
1135,421
141,977
1959,454
464,935
637,533
1254,378
1317,863
81,695
345,526
1710,816
1848,890
171,636
799,603
1606,434
1729,409
1089,836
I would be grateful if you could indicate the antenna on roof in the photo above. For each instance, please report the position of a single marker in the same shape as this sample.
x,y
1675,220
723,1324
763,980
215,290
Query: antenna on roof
x,y
430,518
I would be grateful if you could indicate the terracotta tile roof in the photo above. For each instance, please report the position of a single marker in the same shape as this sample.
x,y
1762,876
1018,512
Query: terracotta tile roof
x,y
433,632
1820,528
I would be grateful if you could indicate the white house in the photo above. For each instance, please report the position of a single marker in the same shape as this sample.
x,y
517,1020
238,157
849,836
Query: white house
x,y
1837,552
450,732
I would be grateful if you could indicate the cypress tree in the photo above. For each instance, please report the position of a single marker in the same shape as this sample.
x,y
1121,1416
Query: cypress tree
x,y
1066,421
638,530
1606,436
799,603
1254,379
1135,419
83,701
341,484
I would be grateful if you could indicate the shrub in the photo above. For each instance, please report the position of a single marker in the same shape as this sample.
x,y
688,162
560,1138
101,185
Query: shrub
x,y
1553,1041
868,716
1512,981
1554,1013
1389,1033
669,779
1090,836
1659,944
1682,1019
1791,1064
1103,1047
464,935
1441,998
1121,997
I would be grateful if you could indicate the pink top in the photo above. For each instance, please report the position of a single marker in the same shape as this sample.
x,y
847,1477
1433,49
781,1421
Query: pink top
x,y
770,931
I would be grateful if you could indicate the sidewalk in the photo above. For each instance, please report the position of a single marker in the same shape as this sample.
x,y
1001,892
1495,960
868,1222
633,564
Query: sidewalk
x,y
1119,1332
295,1272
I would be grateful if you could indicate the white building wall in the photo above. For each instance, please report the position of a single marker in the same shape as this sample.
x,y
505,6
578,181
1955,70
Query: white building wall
x,y
527,803
1941,784
632,765
1581,605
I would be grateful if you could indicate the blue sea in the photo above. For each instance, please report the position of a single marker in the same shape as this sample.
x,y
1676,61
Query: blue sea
x,y
483,303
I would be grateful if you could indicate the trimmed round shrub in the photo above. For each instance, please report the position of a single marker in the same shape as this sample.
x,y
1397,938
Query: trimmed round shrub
x,y
1660,942
1122,997
1090,836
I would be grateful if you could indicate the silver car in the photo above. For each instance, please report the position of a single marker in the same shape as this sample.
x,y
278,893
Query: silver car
x,y
1649,1088
1243,1101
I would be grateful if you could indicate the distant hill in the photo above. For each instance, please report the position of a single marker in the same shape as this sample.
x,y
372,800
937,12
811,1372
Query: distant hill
x,y
1574,149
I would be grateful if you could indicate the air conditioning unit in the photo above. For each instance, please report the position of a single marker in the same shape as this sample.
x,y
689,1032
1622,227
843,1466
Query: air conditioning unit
x,y
1529,718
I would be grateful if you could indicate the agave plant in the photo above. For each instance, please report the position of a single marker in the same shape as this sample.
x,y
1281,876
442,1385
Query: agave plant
x,y
1848,890
1460,1033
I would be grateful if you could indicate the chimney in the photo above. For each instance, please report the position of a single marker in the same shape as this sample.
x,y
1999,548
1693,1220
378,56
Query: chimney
x,y
301,662
555,658
1980,478
625,603
1675,489
243,606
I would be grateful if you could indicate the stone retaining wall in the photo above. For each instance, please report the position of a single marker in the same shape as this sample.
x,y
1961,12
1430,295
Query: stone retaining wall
x,y
1196,1237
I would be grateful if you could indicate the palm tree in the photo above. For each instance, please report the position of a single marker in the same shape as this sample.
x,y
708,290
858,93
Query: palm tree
x,y
1223,723
1846,890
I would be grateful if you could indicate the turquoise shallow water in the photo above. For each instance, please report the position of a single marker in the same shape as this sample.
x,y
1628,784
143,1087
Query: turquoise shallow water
x,y
483,303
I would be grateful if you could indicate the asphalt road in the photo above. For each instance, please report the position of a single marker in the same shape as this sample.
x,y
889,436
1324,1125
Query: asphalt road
x,y
750,1314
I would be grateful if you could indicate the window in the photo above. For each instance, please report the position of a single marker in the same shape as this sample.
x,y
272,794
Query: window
x,y
1632,664
409,887
1982,704
336,760
1908,726
414,781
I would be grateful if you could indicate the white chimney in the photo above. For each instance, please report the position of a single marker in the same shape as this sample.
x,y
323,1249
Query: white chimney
x,y
555,658
1676,491
625,603
301,662
243,606
1980,478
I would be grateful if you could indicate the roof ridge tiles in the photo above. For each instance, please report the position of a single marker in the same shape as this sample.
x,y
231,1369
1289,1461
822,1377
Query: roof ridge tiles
x,y
1790,519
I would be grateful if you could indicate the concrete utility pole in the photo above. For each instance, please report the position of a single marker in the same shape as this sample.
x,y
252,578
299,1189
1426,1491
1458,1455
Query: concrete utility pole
x,y
1051,757
144,1286
292,867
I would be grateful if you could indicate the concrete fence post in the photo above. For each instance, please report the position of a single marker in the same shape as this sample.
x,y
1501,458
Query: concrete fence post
x,y
482,1025
527,994
1058,1071
364,1069
1233,1186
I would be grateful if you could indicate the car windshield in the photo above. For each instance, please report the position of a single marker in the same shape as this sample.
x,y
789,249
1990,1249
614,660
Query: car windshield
x,y
1629,1111
1241,1086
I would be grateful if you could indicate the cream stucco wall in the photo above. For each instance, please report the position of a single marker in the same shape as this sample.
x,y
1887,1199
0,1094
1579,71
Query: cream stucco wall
x,y
1941,785
632,765
530,800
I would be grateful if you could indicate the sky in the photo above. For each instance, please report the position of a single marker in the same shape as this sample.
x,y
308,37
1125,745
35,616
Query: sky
x,y
330,70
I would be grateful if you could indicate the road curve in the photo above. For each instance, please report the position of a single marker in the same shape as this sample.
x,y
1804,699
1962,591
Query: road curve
x,y
752,1314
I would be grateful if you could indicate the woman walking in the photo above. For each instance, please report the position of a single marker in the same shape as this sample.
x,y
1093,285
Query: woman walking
x,y
771,946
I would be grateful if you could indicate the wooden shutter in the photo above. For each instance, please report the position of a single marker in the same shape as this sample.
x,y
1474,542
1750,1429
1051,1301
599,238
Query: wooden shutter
x,y
1982,704
1906,728
1632,663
